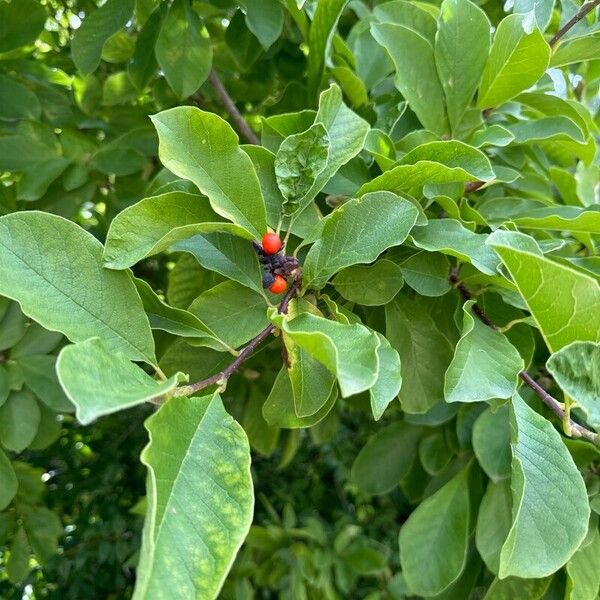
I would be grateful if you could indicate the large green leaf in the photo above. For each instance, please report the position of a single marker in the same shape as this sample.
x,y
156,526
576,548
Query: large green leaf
x,y
416,74
264,19
424,351
202,147
231,256
40,374
53,268
200,500
462,44
557,128
370,285
577,49
97,27
321,33
485,364
348,351
583,573
9,481
19,420
550,508
491,442
21,21
517,60
564,302
389,378
427,273
576,369
154,224
450,237
183,53
411,15
433,162
17,101
100,382
434,539
358,232
386,458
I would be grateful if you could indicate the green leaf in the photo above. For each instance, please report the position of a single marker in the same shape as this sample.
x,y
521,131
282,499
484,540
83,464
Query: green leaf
x,y
17,565
200,499
231,303
576,369
462,44
386,458
43,528
515,587
564,302
202,147
424,351
583,573
19,420
416,74
550,507
53,268
39,372
264,19
494,135
321,34
427,273
9,481
485,364
440,522
389,378
13,326
491,442
4,385
370,285
143,64
36,340
433,163
299,160
450,237
100,382
97,27
517,60
152,225
494,520
546,128
575,50
358,232
177,321
21,21
542,10
348,351
411,15
17,101
183,53
279,409
231,256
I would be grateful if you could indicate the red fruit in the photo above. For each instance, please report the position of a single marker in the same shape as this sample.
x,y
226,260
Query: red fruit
x,y
271,243
279,285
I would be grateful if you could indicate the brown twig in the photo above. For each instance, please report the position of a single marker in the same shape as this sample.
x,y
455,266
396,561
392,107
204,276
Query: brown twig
x,y
227,372
473,186
228,104
577,430
581,13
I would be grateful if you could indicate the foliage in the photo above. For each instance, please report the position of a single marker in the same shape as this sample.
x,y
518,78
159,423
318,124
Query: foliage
x,y
418,414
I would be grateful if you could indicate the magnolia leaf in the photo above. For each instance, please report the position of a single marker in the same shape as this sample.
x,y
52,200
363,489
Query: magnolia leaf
x,y
40,374
416,74
386,458
200,499
53,268
450,237
550,509
576,369
462,44
299,160
517,60
202,147
20,23
9,481
491,442
389,378
358,232
493,521
152,225
441,522
100,382
183,53
557,128
370,285
348,351
575,50
433,163
265,20
583,573
564,302
485,364
424,351
19,420
427,273
99,25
